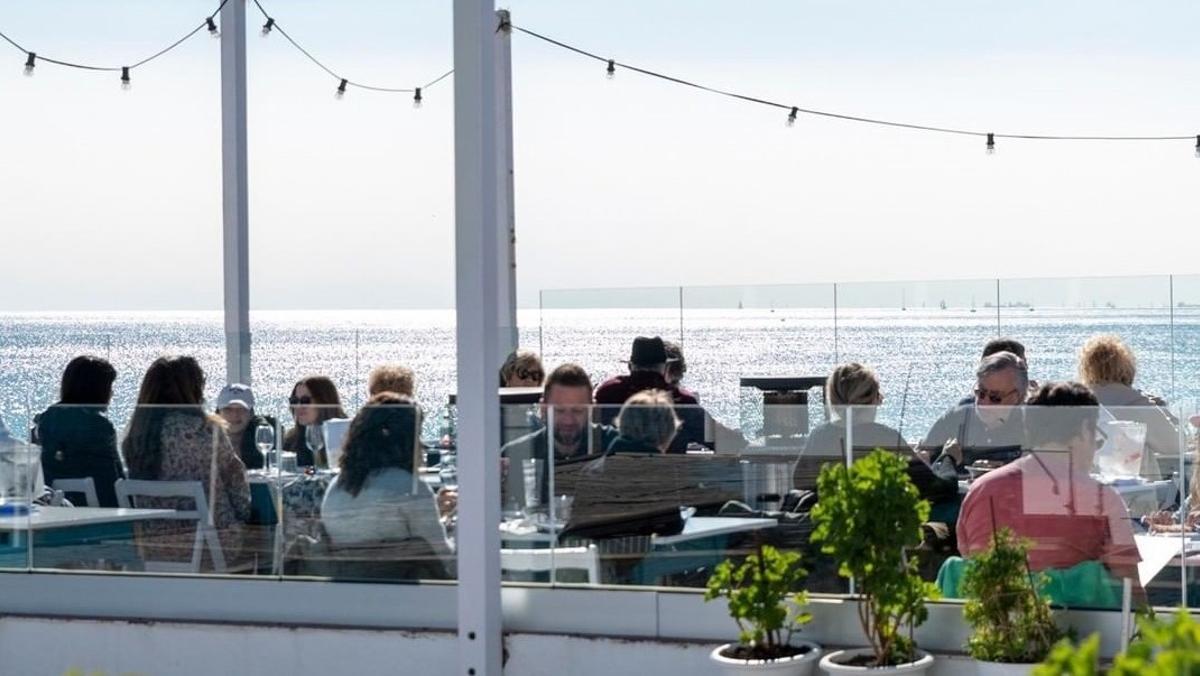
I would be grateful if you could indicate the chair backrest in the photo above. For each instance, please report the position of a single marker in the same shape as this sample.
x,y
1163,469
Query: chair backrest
x,y
85,487
543,560
129,489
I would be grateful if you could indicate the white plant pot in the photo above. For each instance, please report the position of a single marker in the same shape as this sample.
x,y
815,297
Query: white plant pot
x,y
830,664
1002,668
799,665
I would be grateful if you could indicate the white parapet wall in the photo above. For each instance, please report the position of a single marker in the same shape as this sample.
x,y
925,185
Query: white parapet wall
x,y
35,646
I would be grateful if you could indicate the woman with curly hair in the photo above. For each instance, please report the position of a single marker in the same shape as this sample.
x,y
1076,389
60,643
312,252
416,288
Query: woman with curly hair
x,y
377,498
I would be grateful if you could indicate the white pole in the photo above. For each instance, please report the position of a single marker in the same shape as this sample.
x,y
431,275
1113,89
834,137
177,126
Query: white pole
x,y
477,260
234,193
506,211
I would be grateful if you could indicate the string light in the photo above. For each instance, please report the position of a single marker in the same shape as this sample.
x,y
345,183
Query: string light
x,y
417,97
212,27
991,144
612,69
125,81
29,64
266,29
341,90
792,116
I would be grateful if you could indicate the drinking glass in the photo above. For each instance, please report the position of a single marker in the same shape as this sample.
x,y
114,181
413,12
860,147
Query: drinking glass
x,y
314,438
264,439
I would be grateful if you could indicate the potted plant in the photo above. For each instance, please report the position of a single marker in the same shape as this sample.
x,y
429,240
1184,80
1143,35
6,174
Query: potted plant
x,y
1012,626
764,602
867,515
1163,648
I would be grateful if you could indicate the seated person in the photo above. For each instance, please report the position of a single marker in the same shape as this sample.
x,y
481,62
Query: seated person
x,y
646,424
313,401
76,436
1003,345
522,368
392,378
1108,367
1048,496
648,362
1187,517
567,398
852,386
991,428
377,499
235,405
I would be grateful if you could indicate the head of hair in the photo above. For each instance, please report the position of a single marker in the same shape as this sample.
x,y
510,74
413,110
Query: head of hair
x,y
676,366
567,375
648,417
383,434
391,378
522,364
171,385
851,385
1106,359
324,397
1002,361
1003,345
87,380
1058,412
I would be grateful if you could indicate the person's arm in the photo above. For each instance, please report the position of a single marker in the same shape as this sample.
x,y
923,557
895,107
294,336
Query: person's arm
x,y
973,531
108,442
1120,553
421,513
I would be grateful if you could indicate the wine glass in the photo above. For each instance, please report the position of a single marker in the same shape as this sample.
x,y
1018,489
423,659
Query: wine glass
x,y
264,438
314,439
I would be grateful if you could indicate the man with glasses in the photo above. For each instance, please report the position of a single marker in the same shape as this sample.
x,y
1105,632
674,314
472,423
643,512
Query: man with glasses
x,y
989,428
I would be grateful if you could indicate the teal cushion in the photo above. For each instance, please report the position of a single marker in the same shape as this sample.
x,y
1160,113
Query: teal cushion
x,y
1084,585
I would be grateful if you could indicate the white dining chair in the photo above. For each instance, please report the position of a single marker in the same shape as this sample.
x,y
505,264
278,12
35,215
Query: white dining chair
x,y
85,486
128,490
559,558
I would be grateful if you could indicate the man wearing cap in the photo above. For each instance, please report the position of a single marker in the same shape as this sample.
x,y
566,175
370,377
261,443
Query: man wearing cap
x,y
235,404
647,371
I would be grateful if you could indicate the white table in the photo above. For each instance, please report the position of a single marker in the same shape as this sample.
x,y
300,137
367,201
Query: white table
x,y
1159,551
694,528
48,518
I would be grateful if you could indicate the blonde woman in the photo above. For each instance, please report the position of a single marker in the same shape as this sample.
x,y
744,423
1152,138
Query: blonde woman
x,y
646,424
1108,367
852,393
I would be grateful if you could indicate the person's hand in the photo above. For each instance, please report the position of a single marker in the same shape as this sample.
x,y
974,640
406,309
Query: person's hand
x,y
1158,519
1192,522
953,449
447,501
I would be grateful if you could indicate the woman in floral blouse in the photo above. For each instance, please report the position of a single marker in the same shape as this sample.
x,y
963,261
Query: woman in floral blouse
x,y
171,438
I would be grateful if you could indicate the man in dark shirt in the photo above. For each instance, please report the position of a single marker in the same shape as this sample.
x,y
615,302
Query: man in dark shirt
x,y
647,371
565,406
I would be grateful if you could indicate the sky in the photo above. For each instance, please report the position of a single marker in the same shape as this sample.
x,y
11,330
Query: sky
x,y
111,199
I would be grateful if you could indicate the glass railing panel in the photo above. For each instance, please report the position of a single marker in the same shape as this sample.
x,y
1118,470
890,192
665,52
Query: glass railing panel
x,y
1185,322
21,499
732,333
922,339
596,327
1055,318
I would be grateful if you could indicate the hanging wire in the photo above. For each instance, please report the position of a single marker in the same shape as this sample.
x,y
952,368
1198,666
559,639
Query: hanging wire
x,y
84,66
828,114
274,23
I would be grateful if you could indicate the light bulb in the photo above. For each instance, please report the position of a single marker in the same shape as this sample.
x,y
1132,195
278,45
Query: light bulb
x,y
266,29
212,27
30,63
791,121
611,72
1197,145
341,90
417,97
126,83
991,144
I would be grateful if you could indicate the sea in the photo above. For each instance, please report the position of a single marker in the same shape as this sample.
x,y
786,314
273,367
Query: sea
x,y
925,356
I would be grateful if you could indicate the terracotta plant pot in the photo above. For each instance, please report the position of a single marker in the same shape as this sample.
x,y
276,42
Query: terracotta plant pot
x,y
832,664
797,665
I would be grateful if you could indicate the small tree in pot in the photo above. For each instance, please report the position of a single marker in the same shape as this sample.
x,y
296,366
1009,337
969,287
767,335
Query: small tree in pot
x,y
1010,622
867,515
764,600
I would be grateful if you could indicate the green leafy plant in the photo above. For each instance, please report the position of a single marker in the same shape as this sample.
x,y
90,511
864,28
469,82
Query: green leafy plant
x,y
1067,659
1164,648
1010,622
763,600
867,515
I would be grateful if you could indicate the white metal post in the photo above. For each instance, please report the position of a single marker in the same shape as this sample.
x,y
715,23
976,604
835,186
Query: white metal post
x,y
234,192
506,211
477,269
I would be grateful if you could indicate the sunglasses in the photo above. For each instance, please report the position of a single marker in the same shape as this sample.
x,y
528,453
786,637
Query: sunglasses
x,y
994,397
522,374
300,401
